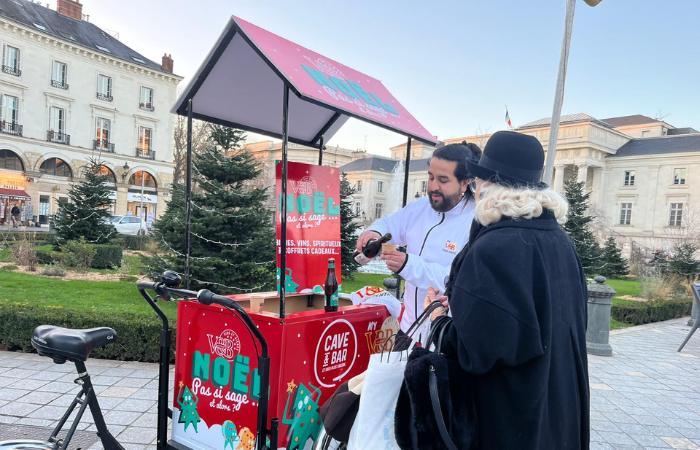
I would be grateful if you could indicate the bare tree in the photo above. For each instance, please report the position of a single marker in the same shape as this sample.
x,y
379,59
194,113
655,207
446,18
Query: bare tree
x,y
200,137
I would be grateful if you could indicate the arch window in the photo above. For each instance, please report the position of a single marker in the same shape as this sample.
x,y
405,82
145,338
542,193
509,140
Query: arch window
x,y
10,160
56,167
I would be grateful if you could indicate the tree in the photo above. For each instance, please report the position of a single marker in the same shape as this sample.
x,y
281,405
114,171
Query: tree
x,y
577,225
200,138
682,260
348,228
85,215
233,245
614,265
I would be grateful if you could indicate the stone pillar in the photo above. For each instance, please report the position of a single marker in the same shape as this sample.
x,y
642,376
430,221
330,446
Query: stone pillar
x,y
582,174
559,178
599,305
120,205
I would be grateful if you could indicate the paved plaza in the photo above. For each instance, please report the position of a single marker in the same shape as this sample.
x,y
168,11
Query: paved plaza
x,y
647,396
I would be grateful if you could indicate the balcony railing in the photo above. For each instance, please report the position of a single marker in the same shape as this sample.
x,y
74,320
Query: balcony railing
x,y
145,153
11,70
146,106
59,84
104,97
10,128
58,137
103,145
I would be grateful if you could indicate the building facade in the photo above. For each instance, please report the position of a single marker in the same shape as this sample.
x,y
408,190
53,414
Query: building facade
x,y
70,92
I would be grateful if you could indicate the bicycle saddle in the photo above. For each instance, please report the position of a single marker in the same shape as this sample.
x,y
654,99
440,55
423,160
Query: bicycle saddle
x,y
61,344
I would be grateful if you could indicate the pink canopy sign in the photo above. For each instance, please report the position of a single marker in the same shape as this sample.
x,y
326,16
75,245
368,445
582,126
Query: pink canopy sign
x,y
331,83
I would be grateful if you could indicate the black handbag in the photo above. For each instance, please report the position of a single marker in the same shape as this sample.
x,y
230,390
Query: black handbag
x,y
435,408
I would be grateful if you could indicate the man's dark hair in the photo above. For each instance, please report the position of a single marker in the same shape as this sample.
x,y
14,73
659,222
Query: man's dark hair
x,y
459,153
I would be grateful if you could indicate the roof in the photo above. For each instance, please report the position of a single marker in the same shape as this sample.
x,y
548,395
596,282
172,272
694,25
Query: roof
x,y
685,130
687,143
382,164
50,22
567,118
635,119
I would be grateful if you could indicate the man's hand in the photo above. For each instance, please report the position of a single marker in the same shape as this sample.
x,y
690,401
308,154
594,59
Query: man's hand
x,y
364,238
394,259
434,294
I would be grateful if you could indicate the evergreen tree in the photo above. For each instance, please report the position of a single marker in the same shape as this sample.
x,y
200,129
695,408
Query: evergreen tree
x,y
577,225
682,260
348,228
659,261
85,215
232,235
614,265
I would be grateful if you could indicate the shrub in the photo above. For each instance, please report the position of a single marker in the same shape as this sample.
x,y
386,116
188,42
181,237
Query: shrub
x,y
9,268
46,257
137,335
24,254
107,256
129,278
78,254
134,242
638,313
54,271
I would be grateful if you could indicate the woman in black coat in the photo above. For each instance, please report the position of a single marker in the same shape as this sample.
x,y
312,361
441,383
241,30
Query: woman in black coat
x,y
517,295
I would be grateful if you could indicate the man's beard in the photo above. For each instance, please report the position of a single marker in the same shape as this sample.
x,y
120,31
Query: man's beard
x,y
443,204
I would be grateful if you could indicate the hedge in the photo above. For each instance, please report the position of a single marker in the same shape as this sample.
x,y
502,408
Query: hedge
x,y
638,313
107,256
138,336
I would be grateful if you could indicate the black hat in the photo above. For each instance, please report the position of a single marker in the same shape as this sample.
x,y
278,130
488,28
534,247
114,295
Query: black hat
x,y
511,159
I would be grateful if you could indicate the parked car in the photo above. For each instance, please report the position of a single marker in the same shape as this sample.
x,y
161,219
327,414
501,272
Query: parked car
x,y
131,225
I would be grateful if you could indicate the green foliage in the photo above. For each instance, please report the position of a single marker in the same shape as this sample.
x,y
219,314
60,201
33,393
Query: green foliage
x,y
133,242
682,260
46,257
232,233
348,228
78,254
84,215
638,313
107,256
577,225
54,271
614,264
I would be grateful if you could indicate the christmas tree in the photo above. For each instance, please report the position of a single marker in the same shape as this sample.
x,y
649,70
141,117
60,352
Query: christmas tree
x,y
683,262
348,228
577,225
85,215
614,265
232,236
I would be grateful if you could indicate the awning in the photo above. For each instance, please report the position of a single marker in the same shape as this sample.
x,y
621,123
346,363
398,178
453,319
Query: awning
x,y
14,194
241,84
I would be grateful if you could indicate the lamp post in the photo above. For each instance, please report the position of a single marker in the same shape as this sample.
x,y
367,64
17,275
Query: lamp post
x,y
559,92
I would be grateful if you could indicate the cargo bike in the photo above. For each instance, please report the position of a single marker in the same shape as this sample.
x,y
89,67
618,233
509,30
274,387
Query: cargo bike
x,y
251,370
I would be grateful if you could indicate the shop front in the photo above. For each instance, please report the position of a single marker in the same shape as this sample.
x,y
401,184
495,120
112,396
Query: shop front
x,y
13,185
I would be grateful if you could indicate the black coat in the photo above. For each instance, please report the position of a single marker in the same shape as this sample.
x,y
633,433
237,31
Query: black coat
x,y
518,302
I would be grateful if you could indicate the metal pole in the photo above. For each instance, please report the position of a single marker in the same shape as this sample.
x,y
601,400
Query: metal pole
x,y
188,195
559,93
403,203
143,177
283,200
320,151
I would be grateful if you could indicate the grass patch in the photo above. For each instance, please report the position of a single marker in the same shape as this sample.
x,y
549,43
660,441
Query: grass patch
x,y
5,254
626,287
131,265
363,279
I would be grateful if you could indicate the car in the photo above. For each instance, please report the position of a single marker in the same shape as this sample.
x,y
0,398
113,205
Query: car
x,y
130,225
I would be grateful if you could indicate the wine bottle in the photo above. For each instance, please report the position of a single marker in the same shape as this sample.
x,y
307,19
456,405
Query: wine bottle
x,y
371,249
331,287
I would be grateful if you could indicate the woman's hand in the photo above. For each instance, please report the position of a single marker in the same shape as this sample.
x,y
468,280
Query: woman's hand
x,y
433,295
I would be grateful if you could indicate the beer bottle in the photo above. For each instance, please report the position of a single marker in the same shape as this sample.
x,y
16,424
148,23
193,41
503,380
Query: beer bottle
x,y
331,287
372,249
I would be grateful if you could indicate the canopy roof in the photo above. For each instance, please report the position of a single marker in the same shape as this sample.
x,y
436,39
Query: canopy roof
x,y
241,84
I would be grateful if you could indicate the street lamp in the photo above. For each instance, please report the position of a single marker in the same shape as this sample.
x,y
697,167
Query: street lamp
x,y
125,171
559,93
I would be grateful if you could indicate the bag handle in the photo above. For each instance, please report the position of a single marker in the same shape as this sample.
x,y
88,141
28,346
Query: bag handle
x,y
437,410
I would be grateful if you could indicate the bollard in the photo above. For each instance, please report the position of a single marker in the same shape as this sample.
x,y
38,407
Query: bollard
x,y
599,305
694,311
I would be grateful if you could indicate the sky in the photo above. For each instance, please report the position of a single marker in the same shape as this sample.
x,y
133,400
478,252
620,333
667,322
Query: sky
x,y
455,65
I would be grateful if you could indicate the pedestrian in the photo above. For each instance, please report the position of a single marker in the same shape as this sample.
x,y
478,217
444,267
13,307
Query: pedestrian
x,y
15,213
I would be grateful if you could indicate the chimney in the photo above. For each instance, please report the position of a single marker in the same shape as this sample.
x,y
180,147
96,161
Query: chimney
x,y
70,8
167,63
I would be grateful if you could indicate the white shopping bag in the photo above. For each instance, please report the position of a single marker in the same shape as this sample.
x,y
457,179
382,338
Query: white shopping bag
x,y
374,424
372,295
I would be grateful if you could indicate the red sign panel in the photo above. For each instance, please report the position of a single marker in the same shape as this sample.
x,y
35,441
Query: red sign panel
x,y
313,225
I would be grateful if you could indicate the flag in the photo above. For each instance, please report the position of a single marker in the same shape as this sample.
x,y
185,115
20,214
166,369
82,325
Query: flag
x,y
508,122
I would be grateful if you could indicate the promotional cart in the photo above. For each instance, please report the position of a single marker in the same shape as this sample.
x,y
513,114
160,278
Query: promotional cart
x,y
257,379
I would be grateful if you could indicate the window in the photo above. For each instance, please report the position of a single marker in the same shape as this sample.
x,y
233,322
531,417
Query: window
x,y
629,178
679,176
57,119
9,115
146,98
676,217
625,213
9,160
107,172
10,61
378,210
358,186
142,177
144,144
380,186
424,187
56,167
59,75
104,88
103,131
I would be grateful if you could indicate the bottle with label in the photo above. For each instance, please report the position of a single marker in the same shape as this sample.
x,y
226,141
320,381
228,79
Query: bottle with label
x,y
331,287
372,249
